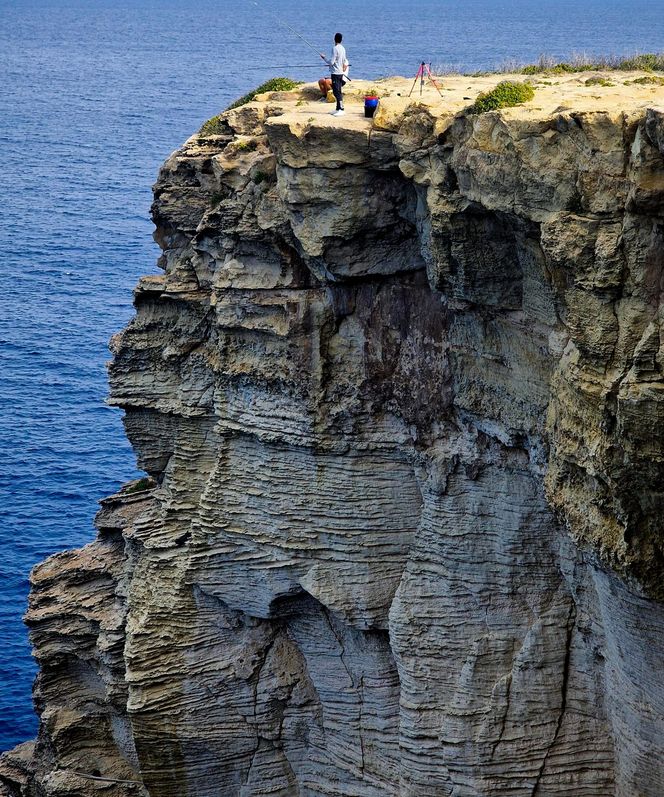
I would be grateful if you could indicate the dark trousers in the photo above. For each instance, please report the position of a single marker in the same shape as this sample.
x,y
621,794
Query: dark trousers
x,y
337,89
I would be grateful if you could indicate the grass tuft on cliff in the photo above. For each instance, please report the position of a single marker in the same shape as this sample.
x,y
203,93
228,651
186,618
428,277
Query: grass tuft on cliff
x,y
505,95
645,62
599,81
275,84
217,126
648,80
146,483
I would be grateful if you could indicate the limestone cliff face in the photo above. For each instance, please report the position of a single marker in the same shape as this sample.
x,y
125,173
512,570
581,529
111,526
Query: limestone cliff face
x,y
400,394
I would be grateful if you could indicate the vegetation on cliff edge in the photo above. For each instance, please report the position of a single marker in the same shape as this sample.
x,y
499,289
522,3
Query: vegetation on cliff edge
x,y
505,95
599,81
216,125
577,62
274,84
646,62
146,483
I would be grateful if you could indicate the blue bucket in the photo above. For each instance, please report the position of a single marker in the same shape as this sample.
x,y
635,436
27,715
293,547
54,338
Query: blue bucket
x,y
370,105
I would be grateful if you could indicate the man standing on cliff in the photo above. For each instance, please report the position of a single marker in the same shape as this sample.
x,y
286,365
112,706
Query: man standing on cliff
x,y
338,66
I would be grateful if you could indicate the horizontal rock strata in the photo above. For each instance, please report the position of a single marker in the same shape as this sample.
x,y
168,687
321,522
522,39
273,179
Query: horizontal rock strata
x,y
400,396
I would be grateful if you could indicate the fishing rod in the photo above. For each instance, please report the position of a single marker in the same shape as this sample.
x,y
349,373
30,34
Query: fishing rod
x,y
295,33
286,66
292,30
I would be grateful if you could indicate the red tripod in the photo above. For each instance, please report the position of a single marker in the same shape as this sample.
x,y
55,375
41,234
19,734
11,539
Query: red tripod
x,y
422,72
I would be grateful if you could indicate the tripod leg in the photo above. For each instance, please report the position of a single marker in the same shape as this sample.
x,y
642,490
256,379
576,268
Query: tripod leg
x,y
412,88
431,78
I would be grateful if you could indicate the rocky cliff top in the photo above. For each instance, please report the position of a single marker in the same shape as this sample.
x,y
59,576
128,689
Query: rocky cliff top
x,y
589,91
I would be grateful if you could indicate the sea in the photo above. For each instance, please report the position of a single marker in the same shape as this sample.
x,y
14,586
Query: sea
x,y
94,95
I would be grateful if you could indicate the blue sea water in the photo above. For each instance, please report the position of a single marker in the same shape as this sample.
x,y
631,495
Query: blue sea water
x,y
94,94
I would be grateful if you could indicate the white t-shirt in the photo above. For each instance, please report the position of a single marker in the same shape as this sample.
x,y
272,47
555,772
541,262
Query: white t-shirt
x,y
338,59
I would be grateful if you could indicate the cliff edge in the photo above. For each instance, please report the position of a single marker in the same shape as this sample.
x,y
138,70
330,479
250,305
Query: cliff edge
x,y
400,396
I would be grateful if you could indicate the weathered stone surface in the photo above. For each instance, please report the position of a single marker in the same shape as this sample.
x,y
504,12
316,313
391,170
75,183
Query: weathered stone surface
x,y
400,393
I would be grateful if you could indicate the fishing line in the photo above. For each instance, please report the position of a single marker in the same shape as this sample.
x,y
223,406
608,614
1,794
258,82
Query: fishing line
x,y
283,24
286,66
286,25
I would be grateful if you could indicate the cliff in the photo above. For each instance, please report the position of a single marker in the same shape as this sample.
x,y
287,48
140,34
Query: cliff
x,y
400,396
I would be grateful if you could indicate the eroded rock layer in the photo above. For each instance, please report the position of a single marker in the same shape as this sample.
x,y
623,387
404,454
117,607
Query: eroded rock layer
x,y
400,396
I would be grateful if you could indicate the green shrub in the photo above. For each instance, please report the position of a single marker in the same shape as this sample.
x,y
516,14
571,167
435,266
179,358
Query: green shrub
x,y
248,145
275,84
239,146
647,62
648,80
505,95
599,81
216,126
565,69
142,484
